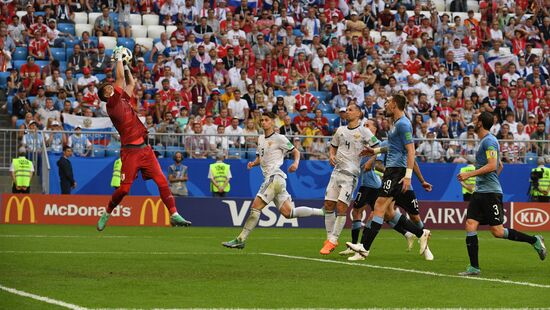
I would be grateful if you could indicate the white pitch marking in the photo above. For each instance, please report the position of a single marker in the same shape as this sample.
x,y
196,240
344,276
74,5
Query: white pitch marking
x,y
42,298
123,253
428,273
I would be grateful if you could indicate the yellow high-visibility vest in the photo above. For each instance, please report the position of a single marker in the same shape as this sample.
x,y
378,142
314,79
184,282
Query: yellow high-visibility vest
x,y
23,171
220,173
544,182
469,181
117,168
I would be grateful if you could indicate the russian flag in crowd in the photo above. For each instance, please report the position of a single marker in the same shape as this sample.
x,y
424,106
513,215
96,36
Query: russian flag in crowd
x,y
252,4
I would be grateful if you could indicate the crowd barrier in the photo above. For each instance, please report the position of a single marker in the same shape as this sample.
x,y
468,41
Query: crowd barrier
x,y
93,176
220,212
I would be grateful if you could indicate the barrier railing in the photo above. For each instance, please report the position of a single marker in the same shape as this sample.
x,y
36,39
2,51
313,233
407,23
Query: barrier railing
x,y
100,144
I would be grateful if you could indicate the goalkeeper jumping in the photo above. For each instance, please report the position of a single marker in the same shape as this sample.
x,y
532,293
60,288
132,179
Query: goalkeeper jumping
x,y
136,155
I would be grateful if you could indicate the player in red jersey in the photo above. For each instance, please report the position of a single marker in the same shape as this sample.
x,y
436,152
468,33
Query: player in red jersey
x,y
136,155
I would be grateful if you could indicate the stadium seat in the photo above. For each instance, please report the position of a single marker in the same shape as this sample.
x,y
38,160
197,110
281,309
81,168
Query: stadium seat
x,y
80,17
114,16
109,42
98,151
160,149
10,104
19,63
234,153
39,13
112,151
95,40
135,19
463,15
473,5
171,151
108,52
147,42
4,79
42,63
21,13
69,52
127,42
58,53
537,51
139,31
100,76
154,31
20,53
66,28
62,67
439,5
150,19
19,122
326,108
375,35
531,158
69,44
251,153
170,29
322,95
389,35
80,28
92,17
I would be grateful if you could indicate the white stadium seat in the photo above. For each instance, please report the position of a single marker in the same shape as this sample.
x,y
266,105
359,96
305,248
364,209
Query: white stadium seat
x,y
150,19
170,29
154,31
473,5
80,18
439,5
390,35
92,17
537,51
80,28
147,42
375,36
21,13
139,31
109,42
135,19
463,15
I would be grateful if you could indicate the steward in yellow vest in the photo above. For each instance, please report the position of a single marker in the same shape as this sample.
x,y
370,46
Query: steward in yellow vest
x,y
540,183
21,170
219,175
469,184
117,168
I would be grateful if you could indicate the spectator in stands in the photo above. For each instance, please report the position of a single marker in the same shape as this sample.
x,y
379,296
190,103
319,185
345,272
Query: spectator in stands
x,y
251,132
196,145
220,142
341,120
63,12
124,9
537,146
17,31
56,139
100,61
86,45
238,108
431,150
53,84
85,80
104,24
79,142
33,138
48,112
70,84
55,37
235,132
288,129
177,176
77,61
39,47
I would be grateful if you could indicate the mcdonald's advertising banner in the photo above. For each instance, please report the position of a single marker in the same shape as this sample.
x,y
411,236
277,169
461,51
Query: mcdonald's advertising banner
x,y
228,212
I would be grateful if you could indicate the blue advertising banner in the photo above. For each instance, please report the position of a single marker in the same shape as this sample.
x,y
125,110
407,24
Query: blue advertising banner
x,y
93,176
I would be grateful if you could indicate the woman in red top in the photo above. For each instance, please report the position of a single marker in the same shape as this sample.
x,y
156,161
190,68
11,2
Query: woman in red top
x,y
518,42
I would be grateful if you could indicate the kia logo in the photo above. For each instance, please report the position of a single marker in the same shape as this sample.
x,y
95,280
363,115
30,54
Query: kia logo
x,y
532,217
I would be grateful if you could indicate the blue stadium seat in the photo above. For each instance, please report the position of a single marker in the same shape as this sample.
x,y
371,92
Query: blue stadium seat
x,y
10,104
20,53
297,33
4,79
68,53
160,149
279,93
149,65
58,53
127,42
292,116
322,95
112,151
108,52
95,40
234,153
171,151
69,44
42,63
99,151
331,118
100,76
19,122
325,107
114,16
531,158
62,67
147,54
251,153
19,63
66,27
40,13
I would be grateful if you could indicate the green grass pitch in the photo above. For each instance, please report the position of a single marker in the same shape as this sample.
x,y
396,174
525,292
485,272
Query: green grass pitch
x,y
143,267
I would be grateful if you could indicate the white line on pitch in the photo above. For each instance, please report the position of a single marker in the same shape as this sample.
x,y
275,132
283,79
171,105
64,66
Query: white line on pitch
x,y
42,298
125,253
428,273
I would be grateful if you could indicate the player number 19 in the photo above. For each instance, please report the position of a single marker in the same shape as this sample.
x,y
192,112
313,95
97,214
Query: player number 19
x,y
387,185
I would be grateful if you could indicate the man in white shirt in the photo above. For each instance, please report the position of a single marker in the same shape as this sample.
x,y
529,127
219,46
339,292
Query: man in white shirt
x,y
459,51
311,25
235,34
86,79
298,48
235,132
429,88
431,150
319,61
238,107
174,84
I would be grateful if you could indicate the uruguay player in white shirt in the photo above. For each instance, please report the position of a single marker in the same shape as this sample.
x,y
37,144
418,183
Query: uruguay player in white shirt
x,y
270,155
345,148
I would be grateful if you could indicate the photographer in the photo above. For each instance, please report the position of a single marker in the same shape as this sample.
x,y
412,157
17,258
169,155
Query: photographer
x,y
539,191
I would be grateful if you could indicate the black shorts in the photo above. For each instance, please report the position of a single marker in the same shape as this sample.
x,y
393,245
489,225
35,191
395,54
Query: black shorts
x,y
486,208
366,196
408,201
390,182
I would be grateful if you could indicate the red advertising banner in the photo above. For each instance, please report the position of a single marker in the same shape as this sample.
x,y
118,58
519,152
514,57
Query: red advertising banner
x,y
531,216
81,210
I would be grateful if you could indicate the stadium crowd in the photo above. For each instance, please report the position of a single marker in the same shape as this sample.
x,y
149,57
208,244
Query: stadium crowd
x,y
221,63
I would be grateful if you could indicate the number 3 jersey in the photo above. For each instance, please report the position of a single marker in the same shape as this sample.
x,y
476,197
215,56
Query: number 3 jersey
x,y
272,150
350,142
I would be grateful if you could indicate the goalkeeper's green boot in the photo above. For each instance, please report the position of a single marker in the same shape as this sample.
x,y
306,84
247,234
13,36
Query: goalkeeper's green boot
x,y
540,247
234,244
103,221
470,271
178,220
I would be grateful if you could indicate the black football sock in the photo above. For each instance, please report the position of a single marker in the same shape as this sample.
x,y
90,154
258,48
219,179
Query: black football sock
x,y
355,229
375,226
473,248
406,224
514,235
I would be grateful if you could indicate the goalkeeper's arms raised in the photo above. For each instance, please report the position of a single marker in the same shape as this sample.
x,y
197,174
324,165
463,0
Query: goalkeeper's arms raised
x,y
130,82
120,81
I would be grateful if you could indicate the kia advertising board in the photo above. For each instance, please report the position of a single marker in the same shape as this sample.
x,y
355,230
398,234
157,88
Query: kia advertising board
x,y
531,216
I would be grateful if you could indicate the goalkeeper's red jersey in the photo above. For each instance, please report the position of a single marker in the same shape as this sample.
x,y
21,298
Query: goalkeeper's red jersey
x,y
124,117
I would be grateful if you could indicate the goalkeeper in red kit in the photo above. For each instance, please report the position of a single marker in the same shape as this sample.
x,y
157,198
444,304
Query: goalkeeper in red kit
x,y
136,155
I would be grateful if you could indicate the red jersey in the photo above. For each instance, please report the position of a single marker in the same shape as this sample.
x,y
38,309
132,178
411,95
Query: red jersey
x,y
413,65
301,122
39,47
26,69
306,99
40,28
124,117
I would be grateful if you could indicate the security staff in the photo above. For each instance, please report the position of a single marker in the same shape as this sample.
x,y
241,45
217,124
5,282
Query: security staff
x,y
117,167
177,176
22,171
541,192
219,175
66,178
469,184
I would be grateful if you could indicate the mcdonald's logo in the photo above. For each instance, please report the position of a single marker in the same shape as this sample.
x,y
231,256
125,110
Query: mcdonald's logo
x,y
20,205
154,211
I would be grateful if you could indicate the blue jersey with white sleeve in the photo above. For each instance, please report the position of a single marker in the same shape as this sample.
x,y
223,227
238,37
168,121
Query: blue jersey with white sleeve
x,y
488,148
398,137
370,178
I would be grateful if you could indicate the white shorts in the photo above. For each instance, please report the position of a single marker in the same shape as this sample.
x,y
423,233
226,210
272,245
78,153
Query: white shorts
x,y
341,187
274,189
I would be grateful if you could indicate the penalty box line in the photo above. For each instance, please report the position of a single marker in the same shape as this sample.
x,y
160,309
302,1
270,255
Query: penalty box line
x,y
42,298
427,273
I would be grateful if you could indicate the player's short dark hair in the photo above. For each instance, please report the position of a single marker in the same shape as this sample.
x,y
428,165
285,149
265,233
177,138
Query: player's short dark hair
x,y
401,101
269,114
351,103
486,120
101,91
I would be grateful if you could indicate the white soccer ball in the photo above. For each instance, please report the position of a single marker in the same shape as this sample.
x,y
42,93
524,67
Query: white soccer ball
x,y
126,55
